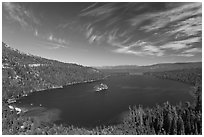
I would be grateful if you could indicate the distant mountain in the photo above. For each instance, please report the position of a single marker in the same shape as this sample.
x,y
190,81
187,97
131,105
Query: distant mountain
x,y
173,66
24,73
150,68
119,67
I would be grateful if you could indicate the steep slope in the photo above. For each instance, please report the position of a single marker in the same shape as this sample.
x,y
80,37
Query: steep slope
x,y
23,73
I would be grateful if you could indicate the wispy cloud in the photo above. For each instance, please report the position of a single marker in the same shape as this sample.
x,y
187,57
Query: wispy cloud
x,y
176,45
91,6
21,15
193,50
92,36
162,19
104,10
189,52
189,27
126,50
142,48
56,40
56,46
36,32
95,38
177,22
15,12
50,41
139,48
152,50
141,29
51,45
184,55
89,31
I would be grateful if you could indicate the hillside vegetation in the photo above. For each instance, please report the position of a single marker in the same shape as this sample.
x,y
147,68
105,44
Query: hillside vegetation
x,y
191,76
24,73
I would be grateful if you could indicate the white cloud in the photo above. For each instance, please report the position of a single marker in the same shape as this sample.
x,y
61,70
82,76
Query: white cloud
x,y
60,41
140,48
163,32
126,50
91,6
57,42
92,38
104,10
161,19
36,32
95,39
50,37
193,50
89,32
51,45
176,45
188,27
152,50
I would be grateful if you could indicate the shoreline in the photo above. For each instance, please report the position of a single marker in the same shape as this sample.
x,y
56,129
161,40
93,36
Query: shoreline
x,y
192,86
14,99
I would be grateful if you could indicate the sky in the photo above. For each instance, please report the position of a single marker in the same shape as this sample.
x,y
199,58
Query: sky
x,y
105,34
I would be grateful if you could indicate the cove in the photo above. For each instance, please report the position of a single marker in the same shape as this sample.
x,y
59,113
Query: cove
x,y
81,106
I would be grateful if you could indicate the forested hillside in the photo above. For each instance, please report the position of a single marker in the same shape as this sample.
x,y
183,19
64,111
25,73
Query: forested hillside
x,y
23,73
191,76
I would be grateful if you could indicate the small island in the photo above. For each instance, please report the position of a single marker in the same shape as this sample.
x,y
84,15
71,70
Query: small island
x,y
100,87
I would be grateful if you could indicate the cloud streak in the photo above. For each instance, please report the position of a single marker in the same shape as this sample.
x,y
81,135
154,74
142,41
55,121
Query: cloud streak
x,y
21,15
55,40
102,11
139,48
141,29
176,45
51,41
189,27
51,45
91,6
193,50
162,19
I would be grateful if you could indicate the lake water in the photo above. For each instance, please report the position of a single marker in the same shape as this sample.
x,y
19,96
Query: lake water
x,y
81,106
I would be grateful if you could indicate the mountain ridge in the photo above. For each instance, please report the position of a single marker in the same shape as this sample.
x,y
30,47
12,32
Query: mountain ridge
x,y
134,66
150,68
